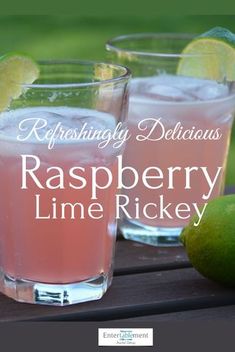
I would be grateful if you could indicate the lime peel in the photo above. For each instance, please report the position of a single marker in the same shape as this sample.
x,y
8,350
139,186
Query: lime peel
x,y
211,245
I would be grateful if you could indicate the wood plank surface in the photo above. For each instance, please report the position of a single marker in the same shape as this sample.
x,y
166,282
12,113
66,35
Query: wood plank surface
x,y
130,296
216,313
133,257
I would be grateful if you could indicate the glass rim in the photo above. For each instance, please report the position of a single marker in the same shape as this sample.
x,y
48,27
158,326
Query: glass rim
x,y
124,76
110,45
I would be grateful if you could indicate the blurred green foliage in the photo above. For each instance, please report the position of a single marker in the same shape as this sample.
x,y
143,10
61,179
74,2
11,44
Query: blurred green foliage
x,y
84,37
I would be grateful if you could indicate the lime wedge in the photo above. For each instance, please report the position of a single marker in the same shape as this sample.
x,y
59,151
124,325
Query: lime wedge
x,y
211,55
15,70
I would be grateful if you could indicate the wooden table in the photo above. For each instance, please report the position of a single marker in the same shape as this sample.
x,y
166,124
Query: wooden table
x,y
150,284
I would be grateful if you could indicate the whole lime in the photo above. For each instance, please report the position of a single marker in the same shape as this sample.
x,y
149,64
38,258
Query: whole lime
x,y
211,245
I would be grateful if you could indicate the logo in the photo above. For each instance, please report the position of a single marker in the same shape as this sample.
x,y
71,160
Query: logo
x,y
125,337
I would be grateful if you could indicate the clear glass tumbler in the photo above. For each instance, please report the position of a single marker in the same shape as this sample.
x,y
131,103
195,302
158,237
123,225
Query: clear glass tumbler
x,y
56,236
180,128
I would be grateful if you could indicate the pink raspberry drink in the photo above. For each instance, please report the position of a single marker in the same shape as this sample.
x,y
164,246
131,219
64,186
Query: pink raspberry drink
x,y
194,115
180,128
57,231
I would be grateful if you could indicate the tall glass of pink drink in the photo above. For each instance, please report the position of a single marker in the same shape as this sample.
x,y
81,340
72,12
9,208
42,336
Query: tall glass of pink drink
x,y
55,247
162,101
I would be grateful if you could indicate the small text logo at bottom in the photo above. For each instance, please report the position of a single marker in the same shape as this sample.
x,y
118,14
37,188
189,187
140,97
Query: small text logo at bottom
x,y
125,336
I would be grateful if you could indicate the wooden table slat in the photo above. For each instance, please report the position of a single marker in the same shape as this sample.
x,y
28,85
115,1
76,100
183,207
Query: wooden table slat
x,y
132,295
132,257
222,313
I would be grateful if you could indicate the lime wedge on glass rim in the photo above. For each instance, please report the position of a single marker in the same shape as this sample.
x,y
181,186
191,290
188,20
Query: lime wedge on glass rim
x,y
210,55
15,70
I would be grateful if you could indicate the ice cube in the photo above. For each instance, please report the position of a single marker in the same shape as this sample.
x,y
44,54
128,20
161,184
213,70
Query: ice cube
x,y
169,93
182,83
167,87
212,91
35,124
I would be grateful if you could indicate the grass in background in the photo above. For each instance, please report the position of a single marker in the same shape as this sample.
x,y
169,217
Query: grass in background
x,y
60,37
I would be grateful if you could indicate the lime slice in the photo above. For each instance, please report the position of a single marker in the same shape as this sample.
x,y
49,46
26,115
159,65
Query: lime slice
x,y
15,70
103,72
211,55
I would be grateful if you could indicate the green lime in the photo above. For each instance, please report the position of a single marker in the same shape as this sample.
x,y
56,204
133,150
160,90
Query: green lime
x,y
210,55
211,245
15,70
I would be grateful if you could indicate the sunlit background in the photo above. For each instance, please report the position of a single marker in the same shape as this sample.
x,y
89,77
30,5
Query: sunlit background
x,y
46,37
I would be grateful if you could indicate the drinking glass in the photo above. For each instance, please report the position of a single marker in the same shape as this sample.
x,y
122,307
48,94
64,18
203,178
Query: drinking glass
x,y
56,247
164,106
